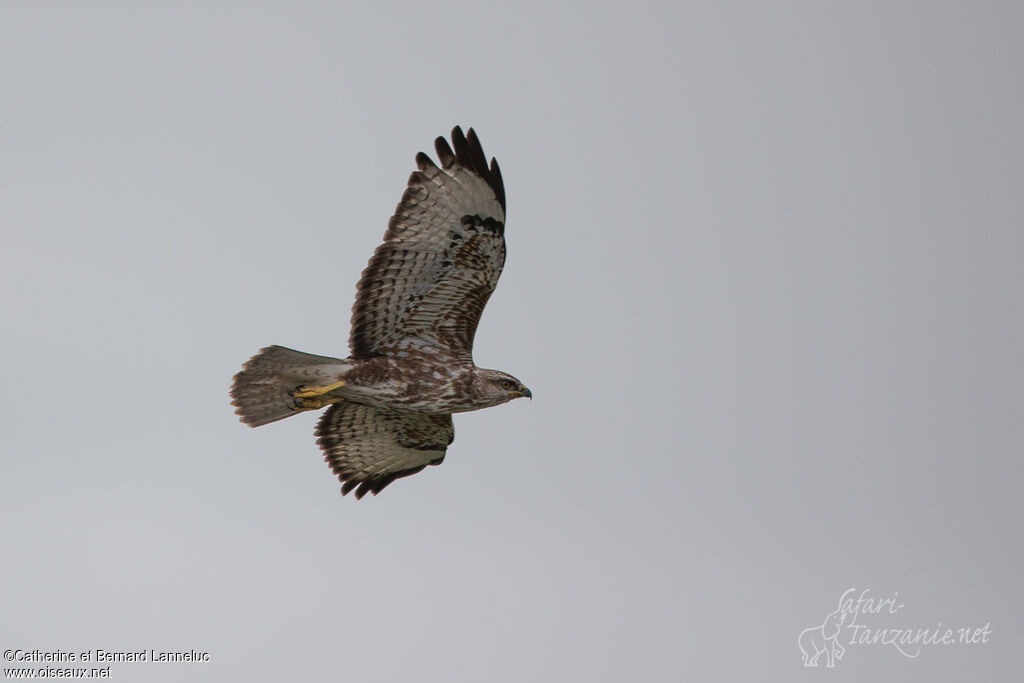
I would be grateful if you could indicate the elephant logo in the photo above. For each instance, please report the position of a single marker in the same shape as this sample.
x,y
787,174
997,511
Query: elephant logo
x,y
823,639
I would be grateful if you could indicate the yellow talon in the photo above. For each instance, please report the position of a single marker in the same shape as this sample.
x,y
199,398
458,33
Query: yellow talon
x,y
313,392
316,403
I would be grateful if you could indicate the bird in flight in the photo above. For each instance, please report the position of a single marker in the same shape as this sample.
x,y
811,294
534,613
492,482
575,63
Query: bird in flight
x,y
410,364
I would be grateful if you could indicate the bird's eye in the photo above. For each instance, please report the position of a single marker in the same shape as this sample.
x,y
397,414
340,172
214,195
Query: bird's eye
x,y
507,384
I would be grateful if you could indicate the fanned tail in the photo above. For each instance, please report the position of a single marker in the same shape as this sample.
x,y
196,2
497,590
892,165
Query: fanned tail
x,y
263,391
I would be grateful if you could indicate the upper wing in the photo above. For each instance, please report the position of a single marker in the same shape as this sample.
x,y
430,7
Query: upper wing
x,y
427,284
371,447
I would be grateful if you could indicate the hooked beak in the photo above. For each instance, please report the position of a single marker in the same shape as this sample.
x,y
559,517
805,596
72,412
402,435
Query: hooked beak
x,y
524,393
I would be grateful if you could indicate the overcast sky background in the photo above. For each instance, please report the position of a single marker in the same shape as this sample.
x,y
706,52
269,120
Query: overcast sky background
x,y
764,279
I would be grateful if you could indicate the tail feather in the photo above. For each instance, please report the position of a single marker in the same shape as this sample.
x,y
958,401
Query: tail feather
x,y
263,391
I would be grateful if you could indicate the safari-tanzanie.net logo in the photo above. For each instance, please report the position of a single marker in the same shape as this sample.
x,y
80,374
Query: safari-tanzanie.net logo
x,y
862,619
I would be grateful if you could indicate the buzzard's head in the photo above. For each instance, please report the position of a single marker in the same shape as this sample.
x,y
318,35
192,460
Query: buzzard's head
x,y
496,387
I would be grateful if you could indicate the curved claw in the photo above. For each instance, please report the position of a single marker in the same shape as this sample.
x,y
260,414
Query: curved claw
x,y
313,392
315,403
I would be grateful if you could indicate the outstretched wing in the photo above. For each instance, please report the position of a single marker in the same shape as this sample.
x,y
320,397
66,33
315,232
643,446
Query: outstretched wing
x,y
370,447
427,284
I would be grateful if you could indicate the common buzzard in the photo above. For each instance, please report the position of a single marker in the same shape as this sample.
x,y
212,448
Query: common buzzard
x,y
410,363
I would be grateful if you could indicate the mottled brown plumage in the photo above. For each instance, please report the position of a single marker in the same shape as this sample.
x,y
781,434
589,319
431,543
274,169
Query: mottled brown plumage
x,y
417,307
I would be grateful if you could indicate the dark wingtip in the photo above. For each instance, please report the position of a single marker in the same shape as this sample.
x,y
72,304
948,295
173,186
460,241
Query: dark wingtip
x,y
476,153
496,183
461,147
469,153
466,151
444,152
423,162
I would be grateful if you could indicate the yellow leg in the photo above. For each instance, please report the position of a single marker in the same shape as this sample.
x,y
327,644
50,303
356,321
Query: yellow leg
x,y
313,392
316,403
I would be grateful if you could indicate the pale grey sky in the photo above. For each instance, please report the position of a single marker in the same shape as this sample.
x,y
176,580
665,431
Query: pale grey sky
x,y
764,280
